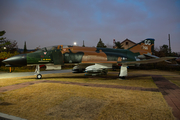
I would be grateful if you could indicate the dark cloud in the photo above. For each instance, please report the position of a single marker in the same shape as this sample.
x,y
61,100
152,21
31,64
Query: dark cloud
x,y
46,23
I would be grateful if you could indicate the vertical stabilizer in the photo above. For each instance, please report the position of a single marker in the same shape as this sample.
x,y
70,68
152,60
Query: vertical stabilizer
x,y
144,47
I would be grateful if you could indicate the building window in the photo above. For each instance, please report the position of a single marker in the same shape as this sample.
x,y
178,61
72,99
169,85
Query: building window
x,y
126,43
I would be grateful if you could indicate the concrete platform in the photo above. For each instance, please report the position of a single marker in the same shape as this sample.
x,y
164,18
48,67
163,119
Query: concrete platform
x,y
22,74
9,117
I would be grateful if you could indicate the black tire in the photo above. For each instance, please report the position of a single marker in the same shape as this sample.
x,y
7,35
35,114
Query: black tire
x,y
122,77
39,76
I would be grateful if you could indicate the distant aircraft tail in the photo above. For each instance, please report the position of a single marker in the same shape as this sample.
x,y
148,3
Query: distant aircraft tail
x,y
144,47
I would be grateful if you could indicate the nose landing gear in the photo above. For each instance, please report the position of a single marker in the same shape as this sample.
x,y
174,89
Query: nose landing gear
x,y
37,72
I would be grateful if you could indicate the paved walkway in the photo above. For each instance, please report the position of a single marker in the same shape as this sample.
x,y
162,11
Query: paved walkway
x,y
18,86
171,93
21,85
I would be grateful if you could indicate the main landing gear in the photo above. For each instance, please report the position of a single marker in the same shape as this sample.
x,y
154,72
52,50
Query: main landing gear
x,y
123,72
37,72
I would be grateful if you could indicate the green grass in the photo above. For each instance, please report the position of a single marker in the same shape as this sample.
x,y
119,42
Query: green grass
x,y
49,101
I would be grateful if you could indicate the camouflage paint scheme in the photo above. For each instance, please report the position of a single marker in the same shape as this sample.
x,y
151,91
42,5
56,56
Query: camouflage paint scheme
x,y
60,55
92,60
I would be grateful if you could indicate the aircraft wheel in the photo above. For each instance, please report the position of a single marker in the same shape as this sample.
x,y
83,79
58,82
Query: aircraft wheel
x,y
39,76
122,77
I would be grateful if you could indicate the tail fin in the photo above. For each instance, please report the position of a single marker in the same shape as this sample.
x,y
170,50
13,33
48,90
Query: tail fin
x,y
144,47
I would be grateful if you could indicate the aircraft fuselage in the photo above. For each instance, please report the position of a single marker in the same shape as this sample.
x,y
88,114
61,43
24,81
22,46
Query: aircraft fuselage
x,y
60,55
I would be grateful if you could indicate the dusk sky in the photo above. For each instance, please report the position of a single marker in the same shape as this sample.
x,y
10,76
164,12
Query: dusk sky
x,y
63,22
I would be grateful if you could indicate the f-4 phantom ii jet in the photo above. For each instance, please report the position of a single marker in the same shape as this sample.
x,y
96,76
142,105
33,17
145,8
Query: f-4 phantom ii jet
x,y
92,60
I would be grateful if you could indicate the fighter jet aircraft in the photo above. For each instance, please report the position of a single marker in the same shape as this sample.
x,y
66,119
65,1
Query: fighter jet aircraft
x,y
92,60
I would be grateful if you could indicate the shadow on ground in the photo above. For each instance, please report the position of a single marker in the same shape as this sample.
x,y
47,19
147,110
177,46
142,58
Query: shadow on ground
x,y
109,76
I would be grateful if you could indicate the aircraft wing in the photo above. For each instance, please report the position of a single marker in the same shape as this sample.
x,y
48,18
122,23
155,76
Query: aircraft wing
x,y
88,62
154,60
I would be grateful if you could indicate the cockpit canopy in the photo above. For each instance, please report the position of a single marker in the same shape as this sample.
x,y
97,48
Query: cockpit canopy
x,y
49,48
53,48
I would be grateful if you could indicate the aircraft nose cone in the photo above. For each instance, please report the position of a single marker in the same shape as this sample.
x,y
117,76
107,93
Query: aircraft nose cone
x,y
16,61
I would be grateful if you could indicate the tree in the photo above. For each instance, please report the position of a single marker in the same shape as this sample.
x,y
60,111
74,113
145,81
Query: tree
x,y
7,45
164,50
25,49
2,33
118,45
4,55
101,44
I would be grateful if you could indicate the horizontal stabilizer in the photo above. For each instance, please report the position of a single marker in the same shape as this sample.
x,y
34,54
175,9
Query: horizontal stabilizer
x,y
151,56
